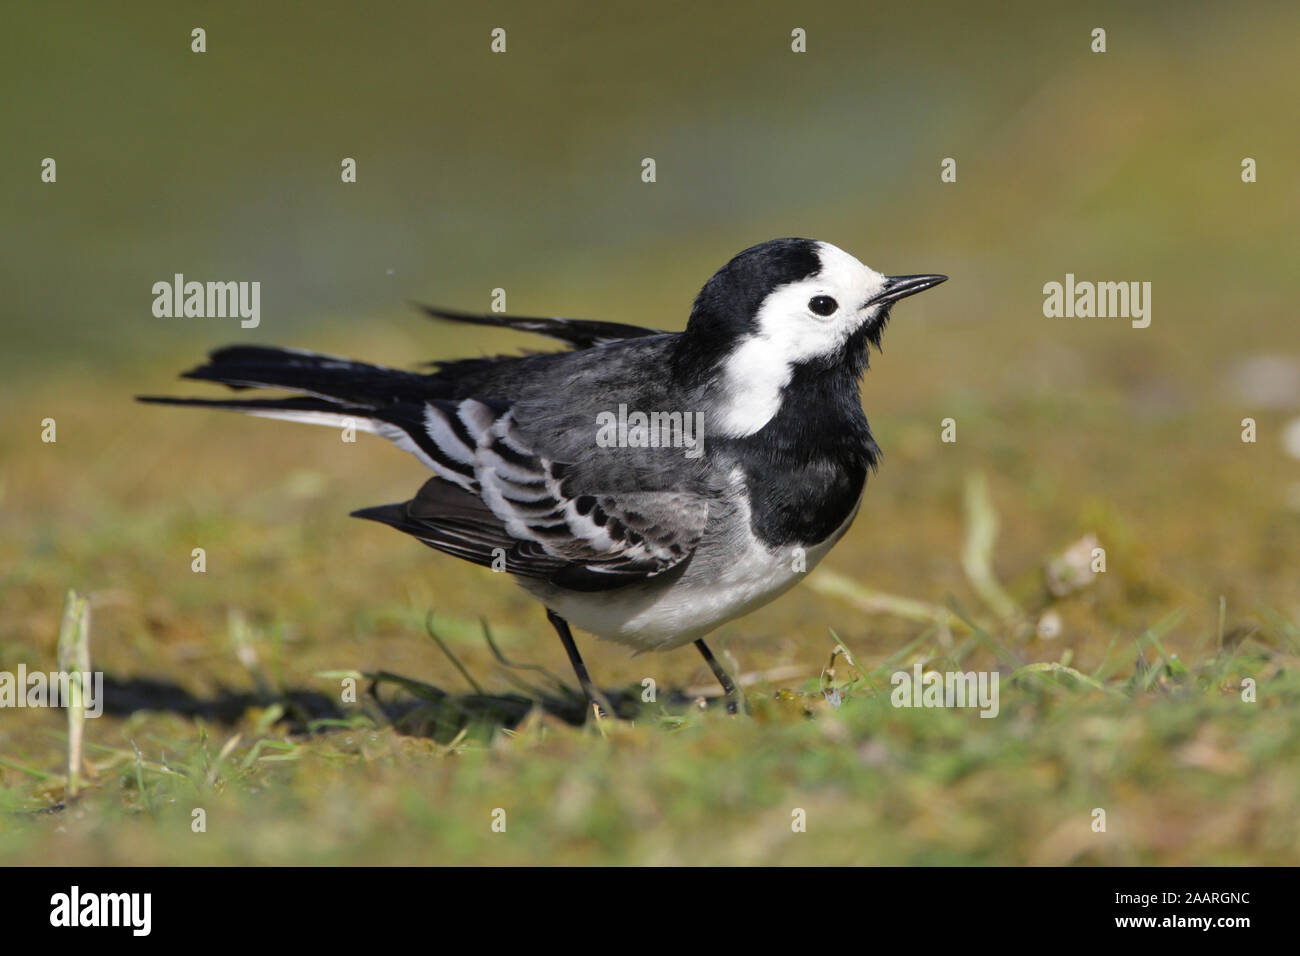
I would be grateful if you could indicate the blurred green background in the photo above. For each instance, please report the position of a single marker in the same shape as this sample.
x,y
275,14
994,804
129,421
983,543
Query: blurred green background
x,y
522,171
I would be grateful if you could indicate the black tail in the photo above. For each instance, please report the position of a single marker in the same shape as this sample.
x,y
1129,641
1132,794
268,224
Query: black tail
x,y
325,376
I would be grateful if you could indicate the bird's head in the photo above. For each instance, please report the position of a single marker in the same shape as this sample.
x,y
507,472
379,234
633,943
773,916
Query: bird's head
x,y
784,307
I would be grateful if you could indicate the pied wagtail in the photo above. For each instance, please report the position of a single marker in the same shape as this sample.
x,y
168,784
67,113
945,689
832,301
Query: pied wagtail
x,y
635,540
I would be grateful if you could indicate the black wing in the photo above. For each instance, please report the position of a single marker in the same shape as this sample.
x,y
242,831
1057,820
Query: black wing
x,y
499,492
578,333
498,500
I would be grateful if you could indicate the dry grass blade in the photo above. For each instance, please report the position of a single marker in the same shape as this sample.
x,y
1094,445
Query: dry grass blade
x,y
74,663
977,549
442,645
873,601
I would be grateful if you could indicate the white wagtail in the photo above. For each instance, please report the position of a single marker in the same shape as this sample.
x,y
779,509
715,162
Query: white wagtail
x,y
580,473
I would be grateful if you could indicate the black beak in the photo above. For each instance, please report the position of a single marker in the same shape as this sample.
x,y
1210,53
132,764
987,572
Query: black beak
x,y
900,287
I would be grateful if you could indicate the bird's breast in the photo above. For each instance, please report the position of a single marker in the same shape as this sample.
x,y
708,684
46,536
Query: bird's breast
x,y
803,506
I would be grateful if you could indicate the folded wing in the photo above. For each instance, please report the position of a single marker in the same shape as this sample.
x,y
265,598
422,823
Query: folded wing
x,y
500,497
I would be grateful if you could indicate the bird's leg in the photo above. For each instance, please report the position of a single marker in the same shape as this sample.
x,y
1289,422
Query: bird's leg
x,y
594,697
734,699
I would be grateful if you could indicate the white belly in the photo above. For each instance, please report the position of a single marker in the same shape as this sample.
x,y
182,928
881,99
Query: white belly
x,y
653,617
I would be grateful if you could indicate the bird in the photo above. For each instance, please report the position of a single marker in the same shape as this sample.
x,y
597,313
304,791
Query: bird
x,y
644,486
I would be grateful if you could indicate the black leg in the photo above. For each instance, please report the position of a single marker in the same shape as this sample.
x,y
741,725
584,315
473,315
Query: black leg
x,y
734,699
594,696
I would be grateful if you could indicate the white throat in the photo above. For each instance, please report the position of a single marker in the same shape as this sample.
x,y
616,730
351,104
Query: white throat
x,y
753,381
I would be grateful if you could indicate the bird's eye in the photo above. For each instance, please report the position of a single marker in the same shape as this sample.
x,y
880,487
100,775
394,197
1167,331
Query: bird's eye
x,y
823,304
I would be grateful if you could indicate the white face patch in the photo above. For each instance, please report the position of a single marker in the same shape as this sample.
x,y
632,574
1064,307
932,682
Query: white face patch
x,y
790,331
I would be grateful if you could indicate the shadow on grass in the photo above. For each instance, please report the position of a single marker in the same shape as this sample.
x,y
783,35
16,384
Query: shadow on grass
x,y
412,707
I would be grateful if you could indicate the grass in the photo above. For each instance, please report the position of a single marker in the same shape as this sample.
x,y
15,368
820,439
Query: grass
x,y
249,757
1186,771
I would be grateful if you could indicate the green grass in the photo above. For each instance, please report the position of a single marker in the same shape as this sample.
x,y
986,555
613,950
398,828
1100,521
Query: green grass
x,y
1186,769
